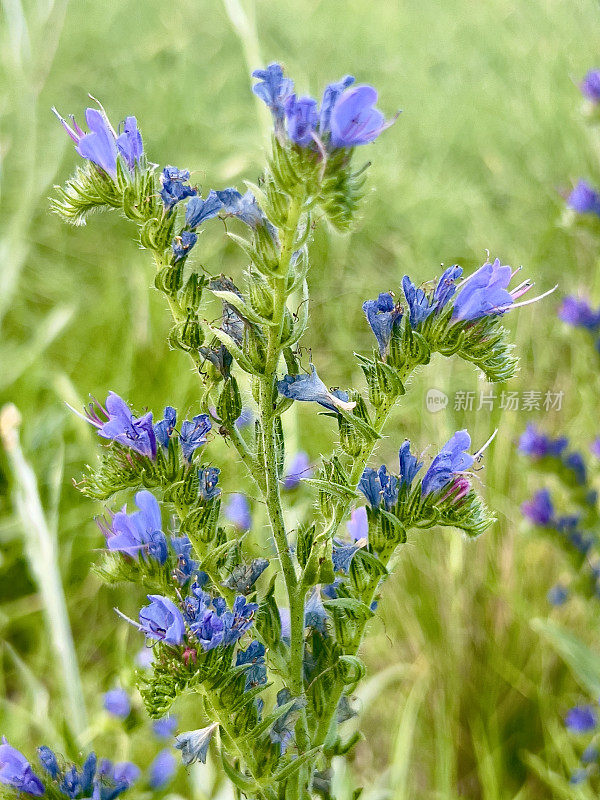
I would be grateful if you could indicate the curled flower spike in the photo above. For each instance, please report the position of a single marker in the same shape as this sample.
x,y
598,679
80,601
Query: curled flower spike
x,y
16,771
194,744
121,426
310,388
451,460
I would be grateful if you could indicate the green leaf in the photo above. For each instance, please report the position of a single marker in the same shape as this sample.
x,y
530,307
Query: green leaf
x,y
583,662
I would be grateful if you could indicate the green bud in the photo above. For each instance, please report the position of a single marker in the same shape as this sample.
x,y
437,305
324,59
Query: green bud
x,y
260,294
187,335
304,543
191,297
267,620
255,349
288,326
344,626
169,279
350,441
229,404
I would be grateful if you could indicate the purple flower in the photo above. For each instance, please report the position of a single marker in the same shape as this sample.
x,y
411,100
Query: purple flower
x,y
485,292
409,464
193,435
557,595
164,428
16,771
198,210
194,744
581,719
451,460
244,207
354,120
330,97
583,199
117,703
182,245
539,509
140,532
590,755
358,524
384,316
590,85
298,469
302,116
273,89
343,553
536,444
121,426
162,769
124,773
595,448
310,388
164,728
102,145
577,312
379,486
173,186
237,511
162,620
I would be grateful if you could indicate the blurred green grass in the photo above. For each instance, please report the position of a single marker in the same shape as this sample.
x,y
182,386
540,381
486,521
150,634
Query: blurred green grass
x,y
490,132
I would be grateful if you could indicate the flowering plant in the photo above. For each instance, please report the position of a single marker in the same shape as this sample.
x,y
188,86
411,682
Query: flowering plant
x,y
270,646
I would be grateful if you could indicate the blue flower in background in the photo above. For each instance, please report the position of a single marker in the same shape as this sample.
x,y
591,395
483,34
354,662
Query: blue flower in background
x,y
254,656
193,434
575,462
330,97
121,426
209,479
194,744
164,428
245,418
286,623
379,486
302,116
237,511
117,703
584,199
384,316
451,460
590,755
298,469
198,210
123,773
182,245
590,85
165,728
16,771
536,444
273,89
581,719
162,620
557,595
162,769
409,465
140,532
174,186
577,312
539,509
310,388
354,120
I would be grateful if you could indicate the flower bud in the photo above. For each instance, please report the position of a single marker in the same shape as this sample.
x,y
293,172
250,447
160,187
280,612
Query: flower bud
x,y
260,294
169,279
229,404
187,335
191,296
350,441
304,543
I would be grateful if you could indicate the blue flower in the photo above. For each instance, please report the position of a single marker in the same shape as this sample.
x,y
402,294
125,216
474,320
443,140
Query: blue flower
x,y
354,120
244,576
419,305
310,388
536,444
315,615
123,773
162,769
409,465
286,623
584,200
173,186
237,511
220,626
451,460
484,292
162,620
330,97
164,428
117,703
590,86
182,245
129,143
282,730
164,728
245,418
48,761
194,744
358,524
446,286
16,771
254,657
384,316
209,478
575,462
198,210
140,532
302,116
186,566
590,755
379,486
577,312
121,426
193,434
343,553
581,719
578,776
244,207
557,595
273,89
298,469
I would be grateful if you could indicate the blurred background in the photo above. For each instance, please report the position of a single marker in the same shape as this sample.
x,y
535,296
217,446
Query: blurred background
x,y
462,693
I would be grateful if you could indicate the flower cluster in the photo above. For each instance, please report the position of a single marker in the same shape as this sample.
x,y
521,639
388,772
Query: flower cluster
x,y
582,721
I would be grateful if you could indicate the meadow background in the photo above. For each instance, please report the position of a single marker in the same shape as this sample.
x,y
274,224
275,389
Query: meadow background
x,y
463,693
